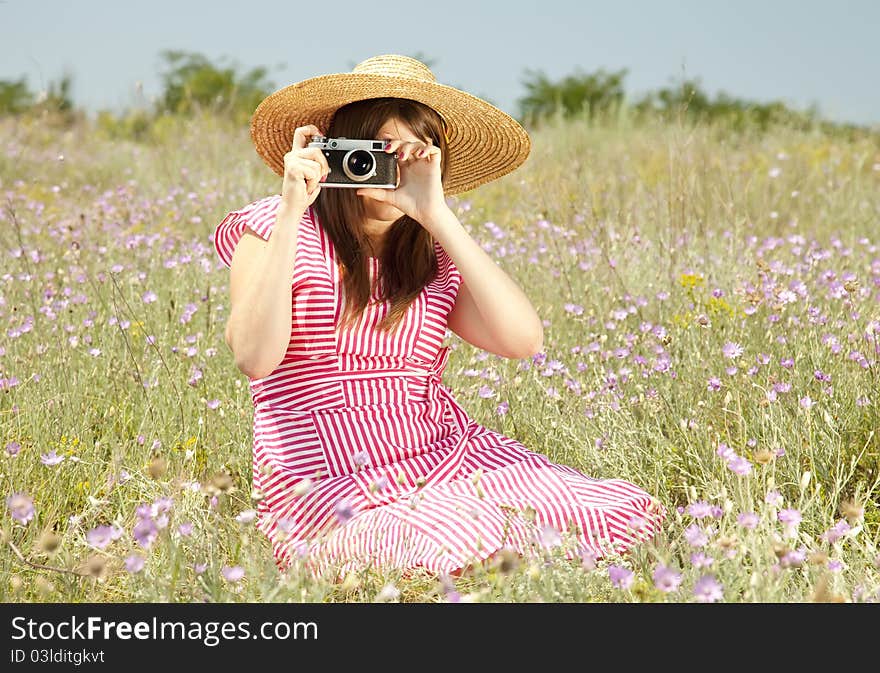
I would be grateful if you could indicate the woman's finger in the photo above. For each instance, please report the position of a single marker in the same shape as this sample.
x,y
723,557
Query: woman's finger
x,y
313,178
317,155
302,136
411,147
309,166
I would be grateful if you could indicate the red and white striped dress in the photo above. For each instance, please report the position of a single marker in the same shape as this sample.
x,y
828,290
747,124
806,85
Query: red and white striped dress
x,y
364,457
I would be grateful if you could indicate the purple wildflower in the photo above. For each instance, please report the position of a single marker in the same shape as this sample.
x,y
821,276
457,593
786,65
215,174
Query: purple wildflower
x,y
620,577
732,350
232,573
588,559
134,563
344,511
773,498
696,536
101,536
701,560
790,517
699,509
21,507
794,557
486,392
549,537
636,523
747,520
145,532
836,532
666,579
52,458
708,590
739,465
725,451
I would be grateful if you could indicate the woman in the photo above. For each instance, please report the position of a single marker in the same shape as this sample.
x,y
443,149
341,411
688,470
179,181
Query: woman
x,y
361,455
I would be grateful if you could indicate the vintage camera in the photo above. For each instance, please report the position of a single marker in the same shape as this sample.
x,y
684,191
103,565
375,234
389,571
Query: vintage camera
x,y
357,163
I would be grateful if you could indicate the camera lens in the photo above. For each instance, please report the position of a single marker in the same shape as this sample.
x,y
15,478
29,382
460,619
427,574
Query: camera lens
x,y
359,164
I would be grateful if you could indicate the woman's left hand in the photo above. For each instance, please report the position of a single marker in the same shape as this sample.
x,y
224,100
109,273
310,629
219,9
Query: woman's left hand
x,y
419,191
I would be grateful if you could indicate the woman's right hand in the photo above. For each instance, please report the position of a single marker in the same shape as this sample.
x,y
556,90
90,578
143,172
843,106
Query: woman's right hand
x,y
304,170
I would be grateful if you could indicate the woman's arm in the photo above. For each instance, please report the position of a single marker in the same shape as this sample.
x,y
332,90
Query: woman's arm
x,y
491,311
258,329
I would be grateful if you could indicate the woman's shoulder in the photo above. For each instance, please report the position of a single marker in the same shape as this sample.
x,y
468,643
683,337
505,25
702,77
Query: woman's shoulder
x,y
258,216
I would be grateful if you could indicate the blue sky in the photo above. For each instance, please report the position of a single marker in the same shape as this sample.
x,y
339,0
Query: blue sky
x,y
798,52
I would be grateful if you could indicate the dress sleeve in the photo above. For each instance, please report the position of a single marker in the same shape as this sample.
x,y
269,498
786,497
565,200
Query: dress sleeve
x,y
447,270
258,216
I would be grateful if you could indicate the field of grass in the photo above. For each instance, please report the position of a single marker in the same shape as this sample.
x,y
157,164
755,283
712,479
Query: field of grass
x,y
712,334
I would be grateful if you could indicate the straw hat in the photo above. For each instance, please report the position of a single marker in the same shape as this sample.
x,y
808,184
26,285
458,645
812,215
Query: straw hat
x,y
483,142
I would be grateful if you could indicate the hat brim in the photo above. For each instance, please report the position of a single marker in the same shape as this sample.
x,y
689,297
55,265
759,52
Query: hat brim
x,y
484,143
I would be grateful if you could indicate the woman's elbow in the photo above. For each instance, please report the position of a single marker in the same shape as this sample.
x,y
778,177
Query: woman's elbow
x,y
536,344
254,365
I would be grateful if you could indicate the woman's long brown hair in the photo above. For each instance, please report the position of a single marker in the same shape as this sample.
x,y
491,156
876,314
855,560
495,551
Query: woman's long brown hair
x,y
408,261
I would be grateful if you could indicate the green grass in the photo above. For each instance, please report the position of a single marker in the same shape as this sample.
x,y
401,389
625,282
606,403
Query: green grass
x,y
604,217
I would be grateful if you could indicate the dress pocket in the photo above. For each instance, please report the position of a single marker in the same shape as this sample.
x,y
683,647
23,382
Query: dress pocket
x,y
380,436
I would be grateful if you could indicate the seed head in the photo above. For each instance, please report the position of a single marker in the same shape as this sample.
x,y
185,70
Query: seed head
x,y
95,566
158,466
852,511
218,484
506,561
818,558
48,542
763,456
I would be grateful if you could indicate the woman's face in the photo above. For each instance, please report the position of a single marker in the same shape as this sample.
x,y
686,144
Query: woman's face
x,y
393,129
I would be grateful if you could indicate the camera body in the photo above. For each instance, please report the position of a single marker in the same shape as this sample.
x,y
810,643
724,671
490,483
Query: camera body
x,y
357,163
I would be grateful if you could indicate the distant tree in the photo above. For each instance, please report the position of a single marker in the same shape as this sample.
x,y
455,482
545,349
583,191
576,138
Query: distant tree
x,y
589,93
58,98
192,82
687,99
15,97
